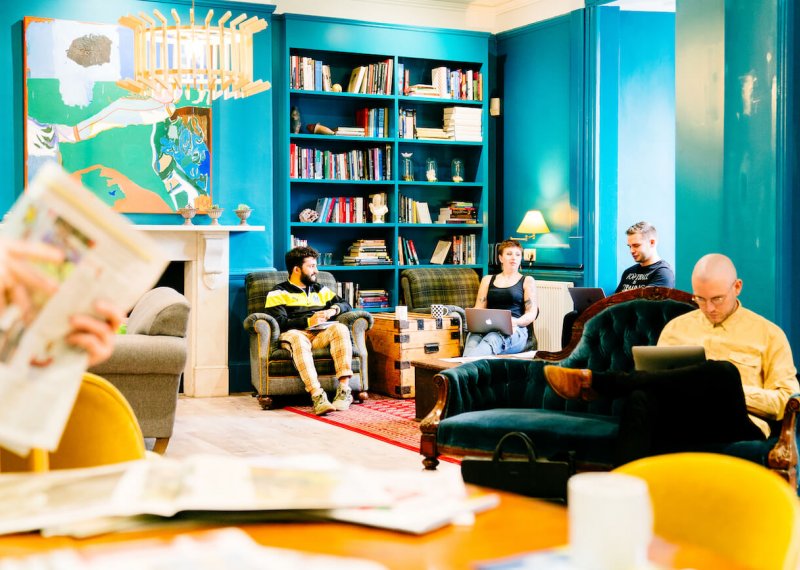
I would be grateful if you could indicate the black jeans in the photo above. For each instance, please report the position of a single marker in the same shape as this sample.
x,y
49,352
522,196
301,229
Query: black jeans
x,y
677,409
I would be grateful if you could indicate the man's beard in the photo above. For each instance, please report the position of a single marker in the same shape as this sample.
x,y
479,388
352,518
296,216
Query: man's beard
x,y
308,279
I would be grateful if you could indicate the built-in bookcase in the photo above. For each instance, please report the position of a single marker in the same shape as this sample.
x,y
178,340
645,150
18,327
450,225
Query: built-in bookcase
x,y
320,54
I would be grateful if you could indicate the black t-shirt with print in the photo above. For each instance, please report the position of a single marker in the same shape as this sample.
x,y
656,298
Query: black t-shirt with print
x,y
659,274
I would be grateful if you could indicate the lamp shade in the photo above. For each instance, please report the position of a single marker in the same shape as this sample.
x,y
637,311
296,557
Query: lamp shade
x,y
533,223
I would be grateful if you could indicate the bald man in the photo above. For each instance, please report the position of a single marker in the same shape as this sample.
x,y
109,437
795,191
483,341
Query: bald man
x,y
746,382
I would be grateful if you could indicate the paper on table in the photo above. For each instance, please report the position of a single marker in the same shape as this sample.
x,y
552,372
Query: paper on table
x,y
527,355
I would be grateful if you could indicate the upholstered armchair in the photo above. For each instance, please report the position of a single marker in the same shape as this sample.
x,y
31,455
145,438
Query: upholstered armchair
x,y
454,287
272,371
148,361
479,402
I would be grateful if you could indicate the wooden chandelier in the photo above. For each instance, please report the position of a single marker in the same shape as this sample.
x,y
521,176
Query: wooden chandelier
x,y
214,60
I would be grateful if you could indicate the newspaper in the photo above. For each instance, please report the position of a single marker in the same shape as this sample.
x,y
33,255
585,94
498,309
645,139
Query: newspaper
x,y
72,500
104,257
223,549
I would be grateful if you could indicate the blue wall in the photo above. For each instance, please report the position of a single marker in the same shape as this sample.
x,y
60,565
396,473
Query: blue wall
x,y
241,145
646,147
540,153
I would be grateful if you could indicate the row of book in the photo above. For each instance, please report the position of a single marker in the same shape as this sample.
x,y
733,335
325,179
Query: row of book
x,y
373,122
297,242
413,211
341,210
309,74
367,252
406,252
372,298
372,79
360,164
445,83
458,250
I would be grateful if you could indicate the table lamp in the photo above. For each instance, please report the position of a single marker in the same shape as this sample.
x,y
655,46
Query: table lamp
x,y
533,223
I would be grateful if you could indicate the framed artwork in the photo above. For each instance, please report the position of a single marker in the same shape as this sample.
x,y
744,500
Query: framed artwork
x,y
139,154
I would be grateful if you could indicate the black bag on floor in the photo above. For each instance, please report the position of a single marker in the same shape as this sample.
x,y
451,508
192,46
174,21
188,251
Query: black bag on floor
x,y
529,476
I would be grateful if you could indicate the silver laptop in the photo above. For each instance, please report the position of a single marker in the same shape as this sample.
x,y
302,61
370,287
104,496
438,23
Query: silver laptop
x,y
652,358
483,321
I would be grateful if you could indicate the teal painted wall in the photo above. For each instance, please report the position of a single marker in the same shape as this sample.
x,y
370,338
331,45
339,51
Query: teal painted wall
x,y
728,100
540,153
646,160
241,146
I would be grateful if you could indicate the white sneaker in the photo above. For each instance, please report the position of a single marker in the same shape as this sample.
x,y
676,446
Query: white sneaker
x,y
343,398
321,404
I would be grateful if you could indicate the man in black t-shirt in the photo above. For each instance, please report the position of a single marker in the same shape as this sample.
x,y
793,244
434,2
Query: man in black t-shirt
x,y
650,270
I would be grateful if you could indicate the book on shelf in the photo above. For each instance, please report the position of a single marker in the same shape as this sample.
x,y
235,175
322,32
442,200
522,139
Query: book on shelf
x,y
356,77
432,133
401,258
440,79
407,124
349,132
423,214
423,90
440,253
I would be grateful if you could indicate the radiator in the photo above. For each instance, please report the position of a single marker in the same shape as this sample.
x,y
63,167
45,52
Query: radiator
x,y
554,303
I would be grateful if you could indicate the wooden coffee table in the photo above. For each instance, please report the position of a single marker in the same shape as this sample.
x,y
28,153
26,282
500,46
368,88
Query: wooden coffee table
x,y
425,391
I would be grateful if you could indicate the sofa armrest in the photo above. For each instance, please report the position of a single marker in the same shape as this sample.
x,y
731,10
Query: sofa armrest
x,y
264,325
144,354
359,322
783,457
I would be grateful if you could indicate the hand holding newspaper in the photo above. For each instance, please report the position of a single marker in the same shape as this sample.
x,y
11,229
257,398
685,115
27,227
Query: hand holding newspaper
x,y
102,256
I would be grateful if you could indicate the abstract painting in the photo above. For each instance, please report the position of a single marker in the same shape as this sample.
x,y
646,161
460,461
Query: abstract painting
x,y
139,154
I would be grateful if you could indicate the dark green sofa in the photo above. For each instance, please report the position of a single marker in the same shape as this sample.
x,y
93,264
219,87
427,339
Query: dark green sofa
x,y
481,401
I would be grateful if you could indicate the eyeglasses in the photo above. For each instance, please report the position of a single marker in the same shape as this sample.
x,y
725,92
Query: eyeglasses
x,y
716,301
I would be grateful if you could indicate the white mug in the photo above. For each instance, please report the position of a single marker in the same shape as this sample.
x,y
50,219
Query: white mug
x,y
610,521
439,311
401,313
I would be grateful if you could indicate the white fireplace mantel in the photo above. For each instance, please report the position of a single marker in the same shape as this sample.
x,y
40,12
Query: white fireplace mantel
x,y
205,251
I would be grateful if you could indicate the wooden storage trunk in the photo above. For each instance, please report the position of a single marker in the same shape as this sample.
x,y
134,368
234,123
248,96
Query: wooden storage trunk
x,y
393,344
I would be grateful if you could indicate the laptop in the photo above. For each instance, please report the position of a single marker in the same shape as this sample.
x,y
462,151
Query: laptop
x,y
582,297
483,321
652,358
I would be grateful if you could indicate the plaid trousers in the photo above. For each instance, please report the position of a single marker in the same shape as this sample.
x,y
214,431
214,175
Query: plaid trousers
x,y
301,343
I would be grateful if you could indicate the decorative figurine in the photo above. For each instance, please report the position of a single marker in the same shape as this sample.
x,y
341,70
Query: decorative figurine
x,y
457,170
378,209
308,215
318,129
337,88
408,167
430,170
294,123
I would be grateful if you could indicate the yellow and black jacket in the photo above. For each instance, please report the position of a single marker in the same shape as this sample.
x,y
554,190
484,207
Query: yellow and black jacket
x,y
292,306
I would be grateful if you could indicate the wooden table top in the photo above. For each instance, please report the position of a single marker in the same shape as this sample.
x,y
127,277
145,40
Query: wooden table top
x,y
519,525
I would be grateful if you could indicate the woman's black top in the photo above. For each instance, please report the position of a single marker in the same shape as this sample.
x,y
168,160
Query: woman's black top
x,y
510,298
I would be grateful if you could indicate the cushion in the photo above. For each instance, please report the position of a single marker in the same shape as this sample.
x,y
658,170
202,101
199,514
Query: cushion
x,y
450,286
591,436
160,312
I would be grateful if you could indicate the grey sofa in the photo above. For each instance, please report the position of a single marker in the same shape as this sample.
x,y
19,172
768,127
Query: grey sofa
x,y
148,361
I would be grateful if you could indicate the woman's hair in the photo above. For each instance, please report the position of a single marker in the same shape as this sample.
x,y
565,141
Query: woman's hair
x,y
504,245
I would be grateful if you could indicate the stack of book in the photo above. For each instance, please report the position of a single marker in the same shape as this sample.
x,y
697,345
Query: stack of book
x,y
463,123
423,90
413,211
367,252
460,213
406,252
431,133
372,299
349,131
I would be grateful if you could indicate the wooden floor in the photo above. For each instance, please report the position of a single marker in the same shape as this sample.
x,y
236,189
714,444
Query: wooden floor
x,y
236,425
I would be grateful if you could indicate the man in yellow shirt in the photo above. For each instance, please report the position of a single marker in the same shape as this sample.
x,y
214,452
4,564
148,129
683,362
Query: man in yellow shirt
x,y
747,380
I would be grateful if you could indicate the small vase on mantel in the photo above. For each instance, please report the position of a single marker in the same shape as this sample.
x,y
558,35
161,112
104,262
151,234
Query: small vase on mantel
x,y
187,213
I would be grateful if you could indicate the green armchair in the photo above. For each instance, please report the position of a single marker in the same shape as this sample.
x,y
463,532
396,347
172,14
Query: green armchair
x,y
272,371
479,402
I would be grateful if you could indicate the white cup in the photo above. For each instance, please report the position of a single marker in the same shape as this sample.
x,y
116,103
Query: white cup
x,y
401,313
439,311
610,521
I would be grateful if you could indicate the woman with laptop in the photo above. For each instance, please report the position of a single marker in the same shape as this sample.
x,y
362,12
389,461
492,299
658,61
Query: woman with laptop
x,y
510,297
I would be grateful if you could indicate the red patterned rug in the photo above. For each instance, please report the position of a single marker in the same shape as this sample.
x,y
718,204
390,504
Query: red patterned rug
x,y
387,419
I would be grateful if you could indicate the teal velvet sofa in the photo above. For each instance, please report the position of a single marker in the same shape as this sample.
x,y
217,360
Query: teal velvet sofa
x,y
479,402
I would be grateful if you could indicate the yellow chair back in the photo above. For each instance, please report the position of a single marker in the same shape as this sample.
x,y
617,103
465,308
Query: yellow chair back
x,y
734,507
101,429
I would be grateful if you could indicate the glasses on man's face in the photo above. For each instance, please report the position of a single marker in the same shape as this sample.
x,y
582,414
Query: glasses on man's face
x,y
716,301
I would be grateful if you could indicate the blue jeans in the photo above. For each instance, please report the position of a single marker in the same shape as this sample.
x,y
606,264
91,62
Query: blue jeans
x,y
493,343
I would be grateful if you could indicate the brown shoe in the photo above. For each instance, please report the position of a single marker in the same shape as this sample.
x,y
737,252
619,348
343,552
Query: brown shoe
x,y
570,383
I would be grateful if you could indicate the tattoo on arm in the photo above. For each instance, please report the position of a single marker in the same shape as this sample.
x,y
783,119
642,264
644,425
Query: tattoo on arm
x,y
528,303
